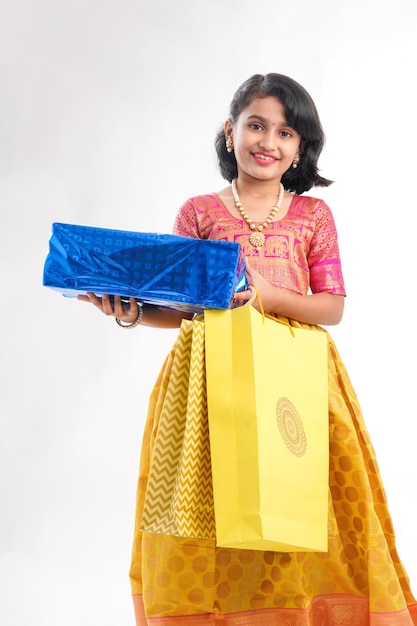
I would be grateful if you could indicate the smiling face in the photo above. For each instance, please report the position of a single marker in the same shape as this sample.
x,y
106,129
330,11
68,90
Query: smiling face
x,y
264,144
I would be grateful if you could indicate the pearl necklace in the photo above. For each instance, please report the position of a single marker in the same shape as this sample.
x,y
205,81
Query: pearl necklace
x,y
257,238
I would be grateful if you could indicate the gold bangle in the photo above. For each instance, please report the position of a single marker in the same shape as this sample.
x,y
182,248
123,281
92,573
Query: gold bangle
x,y
137,321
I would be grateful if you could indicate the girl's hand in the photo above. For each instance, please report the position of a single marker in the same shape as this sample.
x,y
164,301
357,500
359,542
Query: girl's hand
x,y
317,308
264,290
241,297
113,306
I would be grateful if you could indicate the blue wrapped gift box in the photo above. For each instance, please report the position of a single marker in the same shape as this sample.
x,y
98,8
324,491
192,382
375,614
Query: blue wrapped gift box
x,y
166,270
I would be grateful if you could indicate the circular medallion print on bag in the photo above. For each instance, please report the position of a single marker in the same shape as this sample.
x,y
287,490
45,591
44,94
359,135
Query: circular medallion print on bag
x,y
291,427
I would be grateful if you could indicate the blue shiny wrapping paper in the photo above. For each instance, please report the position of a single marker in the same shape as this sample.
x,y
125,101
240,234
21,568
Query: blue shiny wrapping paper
x,y
166,270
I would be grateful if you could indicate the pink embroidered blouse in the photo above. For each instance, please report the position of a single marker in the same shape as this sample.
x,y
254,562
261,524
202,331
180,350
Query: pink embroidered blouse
x,y
300,253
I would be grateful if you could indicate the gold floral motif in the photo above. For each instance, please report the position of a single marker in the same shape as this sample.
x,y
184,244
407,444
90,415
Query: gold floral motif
x,y
257,239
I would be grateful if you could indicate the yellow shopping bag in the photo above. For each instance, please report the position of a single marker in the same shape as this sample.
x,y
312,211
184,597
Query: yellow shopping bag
x,y
267,393
179,493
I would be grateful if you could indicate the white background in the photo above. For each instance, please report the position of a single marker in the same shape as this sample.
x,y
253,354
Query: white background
x,y
108,112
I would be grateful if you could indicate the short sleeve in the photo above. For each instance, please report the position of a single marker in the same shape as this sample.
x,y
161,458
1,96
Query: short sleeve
x,y
186,223
324,257
196,217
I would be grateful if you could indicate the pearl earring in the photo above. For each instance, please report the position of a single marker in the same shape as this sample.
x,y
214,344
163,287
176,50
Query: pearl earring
x,y
295,161
229,144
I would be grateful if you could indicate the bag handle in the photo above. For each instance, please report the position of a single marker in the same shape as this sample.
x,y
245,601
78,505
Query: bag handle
x,y
255,295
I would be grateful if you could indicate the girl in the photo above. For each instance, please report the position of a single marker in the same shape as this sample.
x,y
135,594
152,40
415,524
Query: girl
x,y
268,150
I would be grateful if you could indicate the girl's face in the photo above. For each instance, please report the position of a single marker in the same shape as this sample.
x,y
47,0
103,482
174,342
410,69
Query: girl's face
x,y
264,144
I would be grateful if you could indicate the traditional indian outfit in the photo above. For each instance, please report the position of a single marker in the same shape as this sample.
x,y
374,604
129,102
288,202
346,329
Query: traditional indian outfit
x,y
360,580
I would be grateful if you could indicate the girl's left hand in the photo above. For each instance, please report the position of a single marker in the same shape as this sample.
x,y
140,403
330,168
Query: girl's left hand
x,y
241,297
263,289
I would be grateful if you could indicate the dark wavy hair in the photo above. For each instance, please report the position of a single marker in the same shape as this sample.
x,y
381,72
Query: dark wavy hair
x,y
302,116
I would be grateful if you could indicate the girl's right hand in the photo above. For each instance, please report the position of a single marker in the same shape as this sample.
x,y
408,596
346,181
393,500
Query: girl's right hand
x,y
113,306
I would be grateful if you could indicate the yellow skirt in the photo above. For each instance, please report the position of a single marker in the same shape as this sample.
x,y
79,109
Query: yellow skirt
x,y
179,580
